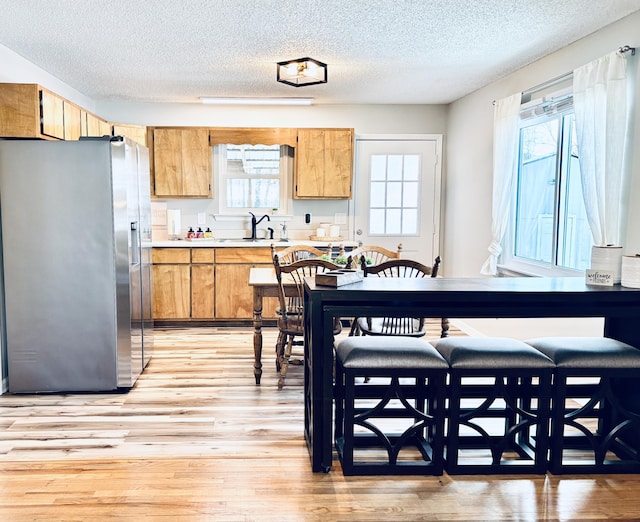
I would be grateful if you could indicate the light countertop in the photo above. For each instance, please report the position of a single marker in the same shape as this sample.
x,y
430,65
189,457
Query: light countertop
x,y
221,243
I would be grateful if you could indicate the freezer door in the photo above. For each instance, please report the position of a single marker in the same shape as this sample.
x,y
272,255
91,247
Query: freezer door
x,y
57,241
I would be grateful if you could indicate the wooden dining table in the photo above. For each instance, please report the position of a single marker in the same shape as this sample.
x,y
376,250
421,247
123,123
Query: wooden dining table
x,y
265,284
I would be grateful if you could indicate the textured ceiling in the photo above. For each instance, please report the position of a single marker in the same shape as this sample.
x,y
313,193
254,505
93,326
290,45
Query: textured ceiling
x,y
378,51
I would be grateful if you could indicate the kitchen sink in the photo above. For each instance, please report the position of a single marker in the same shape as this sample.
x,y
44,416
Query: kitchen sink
x,y
247,240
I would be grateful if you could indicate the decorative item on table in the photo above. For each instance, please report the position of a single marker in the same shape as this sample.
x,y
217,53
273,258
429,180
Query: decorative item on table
x,y
631,271
341,277
607,259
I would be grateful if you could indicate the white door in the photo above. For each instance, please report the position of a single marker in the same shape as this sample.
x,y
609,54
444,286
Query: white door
x,y
397,194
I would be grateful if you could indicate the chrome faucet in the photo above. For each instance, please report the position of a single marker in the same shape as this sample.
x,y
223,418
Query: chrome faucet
x,y
255,222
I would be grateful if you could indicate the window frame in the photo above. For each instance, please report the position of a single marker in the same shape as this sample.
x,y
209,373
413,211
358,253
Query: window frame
x,y
509,262
285,178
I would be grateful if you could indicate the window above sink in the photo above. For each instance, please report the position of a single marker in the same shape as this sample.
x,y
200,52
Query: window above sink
x,y
253,178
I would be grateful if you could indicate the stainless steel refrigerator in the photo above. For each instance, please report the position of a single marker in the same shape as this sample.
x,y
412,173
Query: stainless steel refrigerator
x,y
76,254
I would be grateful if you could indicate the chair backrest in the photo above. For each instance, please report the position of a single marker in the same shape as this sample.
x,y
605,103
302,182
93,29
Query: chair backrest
x,y
297,252
292,275
374,255
401,268
414,326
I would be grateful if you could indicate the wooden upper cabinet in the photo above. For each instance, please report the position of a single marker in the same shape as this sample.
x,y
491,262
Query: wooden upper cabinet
x,y
324,164
182,162
94,126
28,110
137,133
72,121
19,110
52,111
59,117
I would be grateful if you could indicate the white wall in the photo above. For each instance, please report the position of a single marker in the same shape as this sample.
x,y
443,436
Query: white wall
x,y
468,182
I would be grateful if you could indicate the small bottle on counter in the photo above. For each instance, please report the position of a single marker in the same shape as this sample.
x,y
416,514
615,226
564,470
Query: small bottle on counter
x,y
208,233
199,233
190,233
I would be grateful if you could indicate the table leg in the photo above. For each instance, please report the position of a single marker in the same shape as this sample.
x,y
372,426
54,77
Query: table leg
x,y
258,294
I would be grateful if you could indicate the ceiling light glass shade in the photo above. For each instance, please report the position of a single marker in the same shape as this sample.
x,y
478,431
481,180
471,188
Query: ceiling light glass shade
x,y
301,72
256,101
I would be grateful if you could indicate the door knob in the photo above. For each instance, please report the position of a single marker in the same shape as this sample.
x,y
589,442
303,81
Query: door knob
x,y
359,232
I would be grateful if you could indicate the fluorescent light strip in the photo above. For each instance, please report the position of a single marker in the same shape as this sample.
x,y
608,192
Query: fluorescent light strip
x,y
256,101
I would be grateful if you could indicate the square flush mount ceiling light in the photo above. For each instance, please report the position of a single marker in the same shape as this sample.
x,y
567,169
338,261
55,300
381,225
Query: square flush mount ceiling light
x,y
301,72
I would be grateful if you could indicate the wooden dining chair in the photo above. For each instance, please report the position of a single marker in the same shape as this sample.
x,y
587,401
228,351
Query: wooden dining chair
x,y
297,252
373,255
402,326
290,277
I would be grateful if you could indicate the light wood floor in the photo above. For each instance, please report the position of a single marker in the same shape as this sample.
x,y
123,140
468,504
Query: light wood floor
x,y
196,440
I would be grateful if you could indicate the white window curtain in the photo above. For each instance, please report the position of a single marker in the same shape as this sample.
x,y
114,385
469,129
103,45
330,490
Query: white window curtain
x,y
506,118
602,121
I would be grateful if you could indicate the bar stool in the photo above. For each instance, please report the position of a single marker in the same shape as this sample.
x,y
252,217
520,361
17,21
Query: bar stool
x,y
393,424
591,421
498,415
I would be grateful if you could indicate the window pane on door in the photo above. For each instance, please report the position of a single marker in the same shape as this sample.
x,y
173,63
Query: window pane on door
x,y
393,222
378,167
394,194
410,195
412,167
410,221
377,221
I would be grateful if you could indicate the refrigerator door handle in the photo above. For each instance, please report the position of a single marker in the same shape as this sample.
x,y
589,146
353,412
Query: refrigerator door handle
x,y
135,246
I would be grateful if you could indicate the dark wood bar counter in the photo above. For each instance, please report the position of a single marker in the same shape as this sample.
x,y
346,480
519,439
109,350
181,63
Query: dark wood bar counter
x,y
444,297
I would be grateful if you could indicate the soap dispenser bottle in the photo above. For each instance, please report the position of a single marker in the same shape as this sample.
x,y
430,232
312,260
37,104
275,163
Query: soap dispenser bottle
x,y
283,233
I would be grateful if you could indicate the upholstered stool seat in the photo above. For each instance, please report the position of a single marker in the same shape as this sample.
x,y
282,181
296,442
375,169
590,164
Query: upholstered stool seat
x,y
498,415
591,423
393,423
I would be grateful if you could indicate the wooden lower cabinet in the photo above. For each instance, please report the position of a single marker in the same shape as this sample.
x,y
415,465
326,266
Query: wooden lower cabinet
x,y
207,284
171,283
171,291
202,283
234,296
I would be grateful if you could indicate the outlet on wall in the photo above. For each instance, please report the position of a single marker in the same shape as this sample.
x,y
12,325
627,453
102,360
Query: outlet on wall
x,y
202,218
